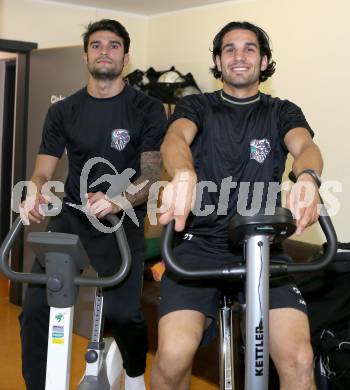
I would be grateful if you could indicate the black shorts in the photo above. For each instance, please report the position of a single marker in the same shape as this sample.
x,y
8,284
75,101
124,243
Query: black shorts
x,y
204,296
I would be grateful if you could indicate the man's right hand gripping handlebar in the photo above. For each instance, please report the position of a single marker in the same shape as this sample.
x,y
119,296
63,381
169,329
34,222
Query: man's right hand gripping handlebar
x,y
177,199
32,209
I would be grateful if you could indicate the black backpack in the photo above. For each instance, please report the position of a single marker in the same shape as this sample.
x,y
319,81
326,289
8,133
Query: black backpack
x,y
167,92
327,294
332,361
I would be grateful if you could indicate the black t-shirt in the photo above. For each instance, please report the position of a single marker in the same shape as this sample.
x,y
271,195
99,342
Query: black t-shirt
x,y
117,129
238,141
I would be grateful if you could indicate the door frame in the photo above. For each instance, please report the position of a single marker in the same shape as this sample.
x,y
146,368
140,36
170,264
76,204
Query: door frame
x,y
23,51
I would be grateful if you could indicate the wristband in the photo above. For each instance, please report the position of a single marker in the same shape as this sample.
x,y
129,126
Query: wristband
x,y
313,174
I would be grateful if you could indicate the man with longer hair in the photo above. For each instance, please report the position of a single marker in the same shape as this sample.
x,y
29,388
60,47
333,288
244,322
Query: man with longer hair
x,y
110,120
244,135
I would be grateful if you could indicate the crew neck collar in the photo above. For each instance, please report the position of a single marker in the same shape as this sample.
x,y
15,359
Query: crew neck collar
x,y
106,98
237,101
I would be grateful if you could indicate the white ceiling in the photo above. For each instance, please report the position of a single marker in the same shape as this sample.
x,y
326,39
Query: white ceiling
x,y
141,7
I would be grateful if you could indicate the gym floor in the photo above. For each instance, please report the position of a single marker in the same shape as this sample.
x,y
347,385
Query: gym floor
x,y
10,367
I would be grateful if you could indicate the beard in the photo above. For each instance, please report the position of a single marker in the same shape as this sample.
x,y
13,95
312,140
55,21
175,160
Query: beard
x,y
239,81
105,73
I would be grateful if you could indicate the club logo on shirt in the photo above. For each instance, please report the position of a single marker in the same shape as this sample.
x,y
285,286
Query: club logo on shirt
x,y
119,139
259,149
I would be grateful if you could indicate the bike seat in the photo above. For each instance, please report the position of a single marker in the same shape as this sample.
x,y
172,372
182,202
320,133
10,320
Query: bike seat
x,y
278,226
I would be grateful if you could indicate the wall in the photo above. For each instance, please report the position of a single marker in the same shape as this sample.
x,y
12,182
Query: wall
x,y
310,42
56,25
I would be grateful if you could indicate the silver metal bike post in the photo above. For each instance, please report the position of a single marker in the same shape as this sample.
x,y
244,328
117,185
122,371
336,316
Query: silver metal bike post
x,y
227,373
95,377
257,313
97,331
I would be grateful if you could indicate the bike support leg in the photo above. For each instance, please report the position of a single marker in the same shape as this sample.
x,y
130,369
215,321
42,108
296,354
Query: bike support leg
x,y
257,313
59,348
227,375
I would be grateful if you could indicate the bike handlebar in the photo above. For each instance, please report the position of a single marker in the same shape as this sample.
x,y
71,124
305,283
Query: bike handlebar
x,y
238,271
23,277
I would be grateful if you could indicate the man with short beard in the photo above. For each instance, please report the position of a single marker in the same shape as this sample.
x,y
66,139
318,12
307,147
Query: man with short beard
x,y
241,134
110,120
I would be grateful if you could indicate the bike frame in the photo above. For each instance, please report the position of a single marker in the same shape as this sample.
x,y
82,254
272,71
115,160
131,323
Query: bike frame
x,y
256,235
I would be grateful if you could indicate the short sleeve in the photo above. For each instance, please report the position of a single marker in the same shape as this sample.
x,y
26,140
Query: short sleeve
x,y
53,141
291,116
155,127
190,107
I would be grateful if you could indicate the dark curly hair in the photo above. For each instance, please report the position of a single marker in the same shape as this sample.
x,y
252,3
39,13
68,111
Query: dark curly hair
x,y
107,25
264,46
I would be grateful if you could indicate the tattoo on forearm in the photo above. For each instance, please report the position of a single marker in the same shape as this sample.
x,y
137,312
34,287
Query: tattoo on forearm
x,y
150,170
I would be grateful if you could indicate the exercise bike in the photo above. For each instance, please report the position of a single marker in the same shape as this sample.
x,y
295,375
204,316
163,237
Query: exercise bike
x,y
64,259
256,233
